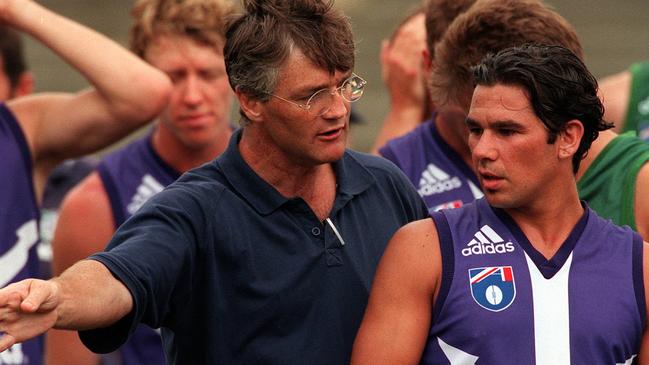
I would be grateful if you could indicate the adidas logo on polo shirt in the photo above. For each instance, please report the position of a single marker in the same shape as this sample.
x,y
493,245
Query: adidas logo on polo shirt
x,y
148,188
487,241
434,181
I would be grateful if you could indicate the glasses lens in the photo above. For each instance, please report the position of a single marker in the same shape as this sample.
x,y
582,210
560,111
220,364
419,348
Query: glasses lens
x,y
352,89
319,102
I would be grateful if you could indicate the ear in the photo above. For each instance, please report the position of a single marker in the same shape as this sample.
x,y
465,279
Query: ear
x,y
569,139
24,86
250,106
427,62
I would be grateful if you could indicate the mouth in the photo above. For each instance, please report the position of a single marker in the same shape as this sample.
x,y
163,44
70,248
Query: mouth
x,y
331,134
195,119
490,181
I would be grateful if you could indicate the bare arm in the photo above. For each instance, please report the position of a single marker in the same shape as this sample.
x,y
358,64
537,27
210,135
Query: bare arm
x,y
84,227
641,206
127,91
614,91
85,296
397,319
404,76
643,357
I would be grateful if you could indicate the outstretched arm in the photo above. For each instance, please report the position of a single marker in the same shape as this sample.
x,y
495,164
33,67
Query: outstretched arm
x,y
397,319
83,297
126,93
84,227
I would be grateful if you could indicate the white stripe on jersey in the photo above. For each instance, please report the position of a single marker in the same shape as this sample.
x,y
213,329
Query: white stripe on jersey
x,y
551,314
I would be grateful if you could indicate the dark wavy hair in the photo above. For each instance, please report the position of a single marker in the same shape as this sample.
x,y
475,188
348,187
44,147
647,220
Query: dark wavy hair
x,y
558,84
13,57
259,41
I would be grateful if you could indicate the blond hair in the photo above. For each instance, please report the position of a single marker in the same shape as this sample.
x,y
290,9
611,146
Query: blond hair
x,y
201,20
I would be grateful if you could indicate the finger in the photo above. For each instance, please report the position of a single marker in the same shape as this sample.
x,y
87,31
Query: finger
x,y
38,293
6,341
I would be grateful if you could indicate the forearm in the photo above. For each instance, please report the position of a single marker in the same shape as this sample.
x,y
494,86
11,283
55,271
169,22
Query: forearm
x,y
133,90
91,297
397,123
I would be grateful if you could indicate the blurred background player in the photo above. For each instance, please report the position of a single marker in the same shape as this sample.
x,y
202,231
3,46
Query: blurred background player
x,y
185,40
39,131
434,155
626,99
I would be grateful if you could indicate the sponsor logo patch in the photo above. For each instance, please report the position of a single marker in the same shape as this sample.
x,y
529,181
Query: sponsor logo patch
x,y
487,242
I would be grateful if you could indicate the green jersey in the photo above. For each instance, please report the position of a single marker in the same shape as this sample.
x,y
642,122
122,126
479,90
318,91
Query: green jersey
x,y
609,183
637,114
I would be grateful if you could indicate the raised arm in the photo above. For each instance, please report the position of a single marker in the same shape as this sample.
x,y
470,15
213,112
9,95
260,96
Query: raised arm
x,y
84,227
126,93
397,320
84,296
402,61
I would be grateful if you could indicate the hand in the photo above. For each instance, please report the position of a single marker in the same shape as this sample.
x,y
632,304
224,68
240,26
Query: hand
x,y
403,65
27,309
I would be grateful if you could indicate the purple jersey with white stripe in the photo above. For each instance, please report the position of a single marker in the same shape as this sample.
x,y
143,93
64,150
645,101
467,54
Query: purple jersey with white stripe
x,y
440,175
131,176
502,302
18,224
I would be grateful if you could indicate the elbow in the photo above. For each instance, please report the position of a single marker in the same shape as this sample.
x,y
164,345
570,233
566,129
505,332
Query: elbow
x,y
156,97
151,98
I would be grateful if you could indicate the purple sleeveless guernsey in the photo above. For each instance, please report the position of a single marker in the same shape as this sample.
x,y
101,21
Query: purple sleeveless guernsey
x,y
501,302
131,176
440,175
18,225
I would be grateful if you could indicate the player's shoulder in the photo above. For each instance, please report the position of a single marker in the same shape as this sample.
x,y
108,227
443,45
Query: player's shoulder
x,y
88,198
413,138
381,169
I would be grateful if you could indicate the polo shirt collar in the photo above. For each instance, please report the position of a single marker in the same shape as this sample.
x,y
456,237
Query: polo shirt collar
x,y
352,178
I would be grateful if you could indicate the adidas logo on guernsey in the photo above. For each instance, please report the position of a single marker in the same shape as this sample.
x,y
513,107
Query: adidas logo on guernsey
x,y
148,188
486,241
435,181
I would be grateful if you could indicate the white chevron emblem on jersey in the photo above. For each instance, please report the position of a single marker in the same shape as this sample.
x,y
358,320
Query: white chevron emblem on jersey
x,y
15,259
148,188
628,362
487,241
455,355
434,181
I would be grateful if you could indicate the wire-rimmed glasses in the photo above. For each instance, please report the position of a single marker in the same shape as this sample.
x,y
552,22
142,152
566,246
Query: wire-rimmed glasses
x,y
320,102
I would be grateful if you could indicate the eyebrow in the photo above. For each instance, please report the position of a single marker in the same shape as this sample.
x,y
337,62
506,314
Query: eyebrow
x,y
312,89
499,124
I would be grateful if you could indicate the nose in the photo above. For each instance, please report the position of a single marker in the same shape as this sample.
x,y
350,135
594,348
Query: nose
x,y
192,93
337,106
483,147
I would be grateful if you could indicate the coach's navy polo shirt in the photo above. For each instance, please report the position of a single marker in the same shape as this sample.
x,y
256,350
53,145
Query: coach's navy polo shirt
x,y
235,273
